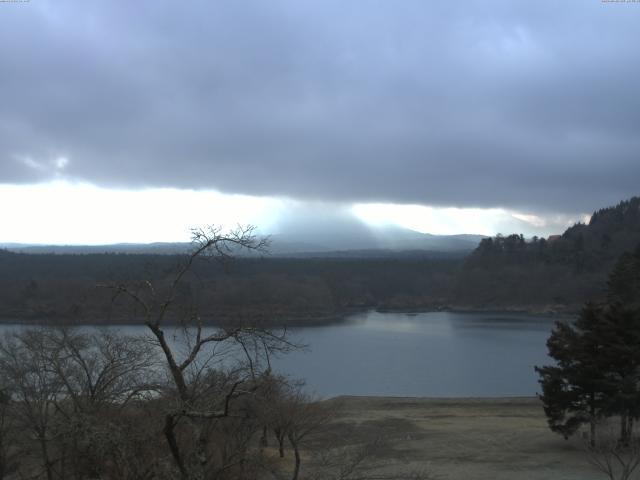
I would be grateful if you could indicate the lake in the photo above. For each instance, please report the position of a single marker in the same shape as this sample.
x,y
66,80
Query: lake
x,y
435,354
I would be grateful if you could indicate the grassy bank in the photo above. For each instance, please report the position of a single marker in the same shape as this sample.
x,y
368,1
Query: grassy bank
x,y
499,438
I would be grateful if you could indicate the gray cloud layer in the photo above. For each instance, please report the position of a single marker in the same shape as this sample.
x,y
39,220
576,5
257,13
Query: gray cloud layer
x,y
523,104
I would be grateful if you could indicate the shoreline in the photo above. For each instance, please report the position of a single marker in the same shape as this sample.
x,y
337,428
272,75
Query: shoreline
x,y
300,321
515,399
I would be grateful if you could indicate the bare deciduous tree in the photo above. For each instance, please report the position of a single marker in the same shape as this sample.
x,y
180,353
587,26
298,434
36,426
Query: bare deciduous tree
x,y
36,391
199,397
10,451
63,390
615,459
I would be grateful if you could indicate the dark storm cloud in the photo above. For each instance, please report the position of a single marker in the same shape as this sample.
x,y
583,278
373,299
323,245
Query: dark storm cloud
x,y
530,104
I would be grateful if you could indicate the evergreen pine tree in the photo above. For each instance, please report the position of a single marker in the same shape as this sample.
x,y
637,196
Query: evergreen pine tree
x,y
575,391
597,371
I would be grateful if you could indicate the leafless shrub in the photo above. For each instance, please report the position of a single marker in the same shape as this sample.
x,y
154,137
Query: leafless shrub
x,y
68,391
616,460
10,450
360,462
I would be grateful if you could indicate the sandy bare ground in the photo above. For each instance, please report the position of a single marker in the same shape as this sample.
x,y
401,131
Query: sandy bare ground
x,y
504,438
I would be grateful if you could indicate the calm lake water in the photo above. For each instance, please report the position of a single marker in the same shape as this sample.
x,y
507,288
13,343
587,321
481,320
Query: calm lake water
x,y
436,354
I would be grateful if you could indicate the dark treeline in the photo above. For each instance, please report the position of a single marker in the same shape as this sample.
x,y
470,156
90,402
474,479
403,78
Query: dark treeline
x,y
505,272
562,271
64,287
584,247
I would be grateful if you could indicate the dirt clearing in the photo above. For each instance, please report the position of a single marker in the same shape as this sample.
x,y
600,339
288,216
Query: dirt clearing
x,y
500,438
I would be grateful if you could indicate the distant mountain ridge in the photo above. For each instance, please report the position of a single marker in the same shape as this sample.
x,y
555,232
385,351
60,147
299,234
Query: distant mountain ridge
x,y
374,242
156,248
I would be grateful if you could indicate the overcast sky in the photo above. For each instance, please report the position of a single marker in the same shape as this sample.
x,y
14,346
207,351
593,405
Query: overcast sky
x,y
515,114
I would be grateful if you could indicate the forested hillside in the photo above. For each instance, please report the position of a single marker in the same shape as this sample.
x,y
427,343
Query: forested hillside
x,y
559,272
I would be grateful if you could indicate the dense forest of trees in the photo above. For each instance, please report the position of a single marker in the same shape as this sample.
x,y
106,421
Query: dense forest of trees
x,y
610,233
63,287
562,271
504,272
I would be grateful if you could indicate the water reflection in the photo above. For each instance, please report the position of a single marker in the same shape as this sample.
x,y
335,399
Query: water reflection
x,y
426,354
439,354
